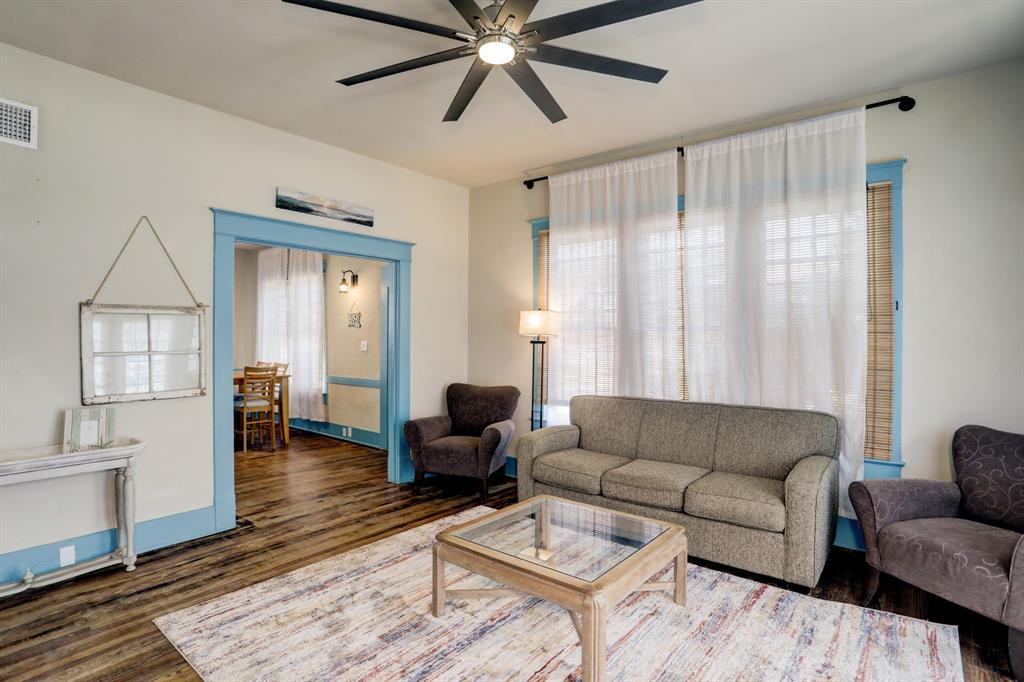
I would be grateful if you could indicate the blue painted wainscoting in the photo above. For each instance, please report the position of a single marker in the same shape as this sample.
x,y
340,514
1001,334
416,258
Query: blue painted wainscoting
x,y
149,535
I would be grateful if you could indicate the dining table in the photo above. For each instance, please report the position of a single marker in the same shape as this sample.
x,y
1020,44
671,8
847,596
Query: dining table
x,y
281,381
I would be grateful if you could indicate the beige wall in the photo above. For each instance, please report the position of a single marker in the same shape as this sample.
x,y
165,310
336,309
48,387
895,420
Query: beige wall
x,y
245,307
963,222
110,152
354,406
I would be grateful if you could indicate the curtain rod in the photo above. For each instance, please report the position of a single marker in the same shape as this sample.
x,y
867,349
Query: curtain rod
x,y
906,104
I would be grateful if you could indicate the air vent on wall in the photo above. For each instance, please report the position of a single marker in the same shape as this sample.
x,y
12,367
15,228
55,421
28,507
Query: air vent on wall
x,y
19,124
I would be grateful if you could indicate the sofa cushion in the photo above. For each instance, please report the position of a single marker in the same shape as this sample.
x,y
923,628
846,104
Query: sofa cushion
x,y
575,469
748,501
451,455
768,442
609,425
679,432
650,483
960,560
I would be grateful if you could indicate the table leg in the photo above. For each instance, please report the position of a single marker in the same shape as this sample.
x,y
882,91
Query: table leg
x,y
595,642
438,601
129,515
286,431
119,510
543,537
680,578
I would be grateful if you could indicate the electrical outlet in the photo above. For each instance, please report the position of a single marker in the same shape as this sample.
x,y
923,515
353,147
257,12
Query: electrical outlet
x,y
67,556
363,346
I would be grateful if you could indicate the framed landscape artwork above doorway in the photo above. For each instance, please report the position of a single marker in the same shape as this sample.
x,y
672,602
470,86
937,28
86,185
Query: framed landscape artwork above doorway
x,y
231,227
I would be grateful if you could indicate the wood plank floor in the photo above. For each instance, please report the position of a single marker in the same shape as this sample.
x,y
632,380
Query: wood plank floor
x,y
310,501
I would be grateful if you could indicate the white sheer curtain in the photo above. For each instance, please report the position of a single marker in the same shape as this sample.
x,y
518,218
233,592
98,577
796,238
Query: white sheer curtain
x,y
614,273
290,321
776,273
272,305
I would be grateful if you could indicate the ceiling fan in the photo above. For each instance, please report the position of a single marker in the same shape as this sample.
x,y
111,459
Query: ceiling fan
x,y
500,35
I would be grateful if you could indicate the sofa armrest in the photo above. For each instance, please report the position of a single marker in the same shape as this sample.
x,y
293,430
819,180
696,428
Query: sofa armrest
x,y
812,499
419,432
493,444
536,443
883,501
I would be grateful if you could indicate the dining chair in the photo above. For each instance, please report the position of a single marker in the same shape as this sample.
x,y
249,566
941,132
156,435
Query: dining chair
x,y
282,368
255,409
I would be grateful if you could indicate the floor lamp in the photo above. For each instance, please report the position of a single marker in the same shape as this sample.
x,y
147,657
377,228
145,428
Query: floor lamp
x,y
538,325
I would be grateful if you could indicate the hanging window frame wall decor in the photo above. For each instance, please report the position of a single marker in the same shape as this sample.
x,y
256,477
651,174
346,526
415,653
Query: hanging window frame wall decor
x,y
139,355
158,355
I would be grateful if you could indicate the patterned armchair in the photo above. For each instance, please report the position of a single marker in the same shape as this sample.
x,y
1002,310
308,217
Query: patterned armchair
x,y
471,440
962,540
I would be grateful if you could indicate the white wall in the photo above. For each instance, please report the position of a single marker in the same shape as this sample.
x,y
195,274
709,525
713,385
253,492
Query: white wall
x,y
354,406
963,261
110,152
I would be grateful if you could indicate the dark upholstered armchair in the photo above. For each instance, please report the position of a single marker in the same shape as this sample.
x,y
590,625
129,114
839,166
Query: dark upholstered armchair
x,y
962,540
471,440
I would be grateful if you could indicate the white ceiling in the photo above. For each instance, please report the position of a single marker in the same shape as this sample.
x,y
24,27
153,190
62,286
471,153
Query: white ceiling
x,y
728,60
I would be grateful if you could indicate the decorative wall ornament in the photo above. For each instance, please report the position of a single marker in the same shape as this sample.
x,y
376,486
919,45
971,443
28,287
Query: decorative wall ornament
x,y
142,352
293,200
355,316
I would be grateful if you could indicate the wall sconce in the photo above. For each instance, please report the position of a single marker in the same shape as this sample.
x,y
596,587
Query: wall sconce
x,y
343,286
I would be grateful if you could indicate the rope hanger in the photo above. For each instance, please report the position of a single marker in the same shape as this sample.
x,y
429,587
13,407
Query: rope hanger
x,y
166,253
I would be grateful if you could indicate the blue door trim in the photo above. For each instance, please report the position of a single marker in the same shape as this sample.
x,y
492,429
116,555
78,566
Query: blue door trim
x,y
231,226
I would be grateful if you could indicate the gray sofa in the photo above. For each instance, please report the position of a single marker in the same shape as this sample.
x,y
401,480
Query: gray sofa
x,y
756,488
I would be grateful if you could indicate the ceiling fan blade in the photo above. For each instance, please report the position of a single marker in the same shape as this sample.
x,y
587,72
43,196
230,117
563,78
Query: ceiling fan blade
x,y
527,79
597,16
574,59
408,65
474,79
518,9
471,12
381,17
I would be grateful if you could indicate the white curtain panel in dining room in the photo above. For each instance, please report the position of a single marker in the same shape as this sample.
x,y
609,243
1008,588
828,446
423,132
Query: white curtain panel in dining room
x,y
775,273
614,268
290,322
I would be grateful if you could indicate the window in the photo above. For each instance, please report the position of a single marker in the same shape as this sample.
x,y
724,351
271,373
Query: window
x,y
882,389
141,353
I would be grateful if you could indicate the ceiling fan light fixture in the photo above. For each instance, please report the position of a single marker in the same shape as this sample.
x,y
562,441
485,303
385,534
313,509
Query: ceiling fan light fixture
x,y
496,50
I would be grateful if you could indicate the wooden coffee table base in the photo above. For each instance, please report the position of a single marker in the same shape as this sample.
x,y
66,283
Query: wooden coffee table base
x,y
588,603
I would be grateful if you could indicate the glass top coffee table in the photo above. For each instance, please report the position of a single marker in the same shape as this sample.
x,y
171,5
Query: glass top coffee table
x,y
581,557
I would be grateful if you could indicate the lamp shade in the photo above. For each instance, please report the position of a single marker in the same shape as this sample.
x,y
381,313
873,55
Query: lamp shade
x,y
539,323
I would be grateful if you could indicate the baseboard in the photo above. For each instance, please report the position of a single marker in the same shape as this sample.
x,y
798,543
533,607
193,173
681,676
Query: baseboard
x,y
848,534
149,535
359,436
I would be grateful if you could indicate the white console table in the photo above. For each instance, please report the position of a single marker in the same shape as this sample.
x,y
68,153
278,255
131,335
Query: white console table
x,y
21,466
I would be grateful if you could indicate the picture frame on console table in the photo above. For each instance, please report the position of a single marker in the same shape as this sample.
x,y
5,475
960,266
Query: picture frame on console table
x,y
88,428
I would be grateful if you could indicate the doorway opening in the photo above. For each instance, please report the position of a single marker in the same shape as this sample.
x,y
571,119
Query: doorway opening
x,y
377,377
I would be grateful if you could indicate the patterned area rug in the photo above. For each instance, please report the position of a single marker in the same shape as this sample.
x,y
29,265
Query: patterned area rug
x,y
365,615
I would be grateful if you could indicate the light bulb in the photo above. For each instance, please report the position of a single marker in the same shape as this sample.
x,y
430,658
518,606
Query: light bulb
x,y
343,287
496,50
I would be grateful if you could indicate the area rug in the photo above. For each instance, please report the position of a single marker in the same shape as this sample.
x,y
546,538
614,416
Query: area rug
x,y
365,615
